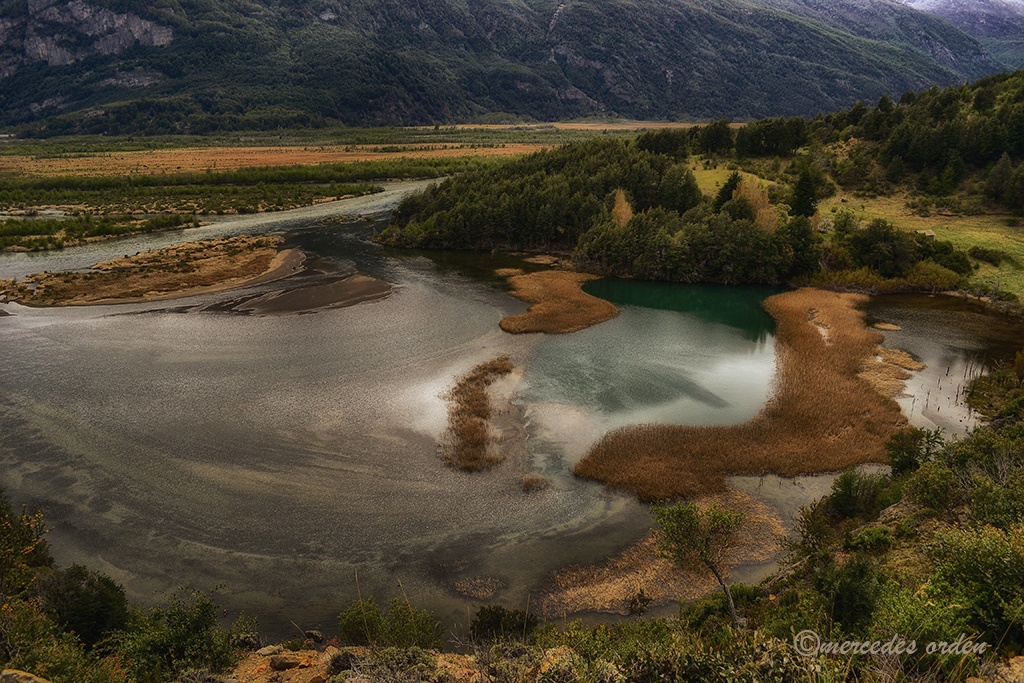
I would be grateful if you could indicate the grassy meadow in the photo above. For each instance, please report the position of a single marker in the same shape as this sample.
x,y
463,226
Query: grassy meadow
x,y
999,231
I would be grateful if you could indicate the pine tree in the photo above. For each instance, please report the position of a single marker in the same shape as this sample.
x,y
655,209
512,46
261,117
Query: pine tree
x,y
999,178
805,198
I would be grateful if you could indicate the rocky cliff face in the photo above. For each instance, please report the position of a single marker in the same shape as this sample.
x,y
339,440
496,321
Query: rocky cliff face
x,y
59,33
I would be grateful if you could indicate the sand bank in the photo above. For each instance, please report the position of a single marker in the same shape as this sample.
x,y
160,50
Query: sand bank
x,y
335,293
613,585
173,272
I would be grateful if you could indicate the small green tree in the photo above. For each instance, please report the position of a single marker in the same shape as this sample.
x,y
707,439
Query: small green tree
x,y
805,196
693,537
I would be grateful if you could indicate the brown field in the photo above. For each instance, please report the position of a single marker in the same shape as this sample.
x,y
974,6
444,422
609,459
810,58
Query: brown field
x,y
559,305
822,417
611,585
201,159
175,271
467,445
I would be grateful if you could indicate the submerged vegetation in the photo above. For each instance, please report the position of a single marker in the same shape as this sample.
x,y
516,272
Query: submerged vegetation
x,y
468,444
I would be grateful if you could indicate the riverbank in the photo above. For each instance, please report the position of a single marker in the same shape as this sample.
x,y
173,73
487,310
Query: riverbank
x,y
823,417
173,272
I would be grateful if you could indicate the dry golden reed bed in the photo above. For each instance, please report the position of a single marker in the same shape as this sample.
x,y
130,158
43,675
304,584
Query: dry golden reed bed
x,y
822,417
199,159
559,305
175,270
468,442
610,585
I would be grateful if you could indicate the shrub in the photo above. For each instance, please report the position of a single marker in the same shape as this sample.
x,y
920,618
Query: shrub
x,y
31,641
935,486
871,538
22,548
850,590
985,569
363,623
911,447
861,496
494,622
83,602
183,635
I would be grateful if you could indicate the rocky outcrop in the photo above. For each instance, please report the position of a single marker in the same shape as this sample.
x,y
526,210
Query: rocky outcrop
x,y
65,32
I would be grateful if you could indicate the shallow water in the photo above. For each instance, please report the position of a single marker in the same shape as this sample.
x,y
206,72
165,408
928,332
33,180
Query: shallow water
x,y
957,340
279,456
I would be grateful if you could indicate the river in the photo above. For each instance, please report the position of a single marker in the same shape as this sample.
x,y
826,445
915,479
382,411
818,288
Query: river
x,y
283,456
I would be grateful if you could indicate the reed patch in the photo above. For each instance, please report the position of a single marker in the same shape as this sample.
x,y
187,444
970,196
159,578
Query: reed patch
x,y
822,417
468,443
559,303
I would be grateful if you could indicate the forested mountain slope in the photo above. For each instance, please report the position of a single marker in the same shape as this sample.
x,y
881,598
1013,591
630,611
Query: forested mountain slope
x,y
998,24
198,65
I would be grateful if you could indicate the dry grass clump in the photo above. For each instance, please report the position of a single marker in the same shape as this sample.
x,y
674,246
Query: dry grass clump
x,y
468,442
155,274
887,371
612,585
823,417
766,215
535,482
478,587
559,305
508,272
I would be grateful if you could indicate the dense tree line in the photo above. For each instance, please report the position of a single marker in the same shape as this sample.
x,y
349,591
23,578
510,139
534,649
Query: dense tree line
x,y
562,199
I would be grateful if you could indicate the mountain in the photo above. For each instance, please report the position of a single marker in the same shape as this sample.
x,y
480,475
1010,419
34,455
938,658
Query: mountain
x,y
116,66
998,24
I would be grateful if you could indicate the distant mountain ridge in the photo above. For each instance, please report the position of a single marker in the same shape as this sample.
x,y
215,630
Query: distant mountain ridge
x,y
999,24
198,65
